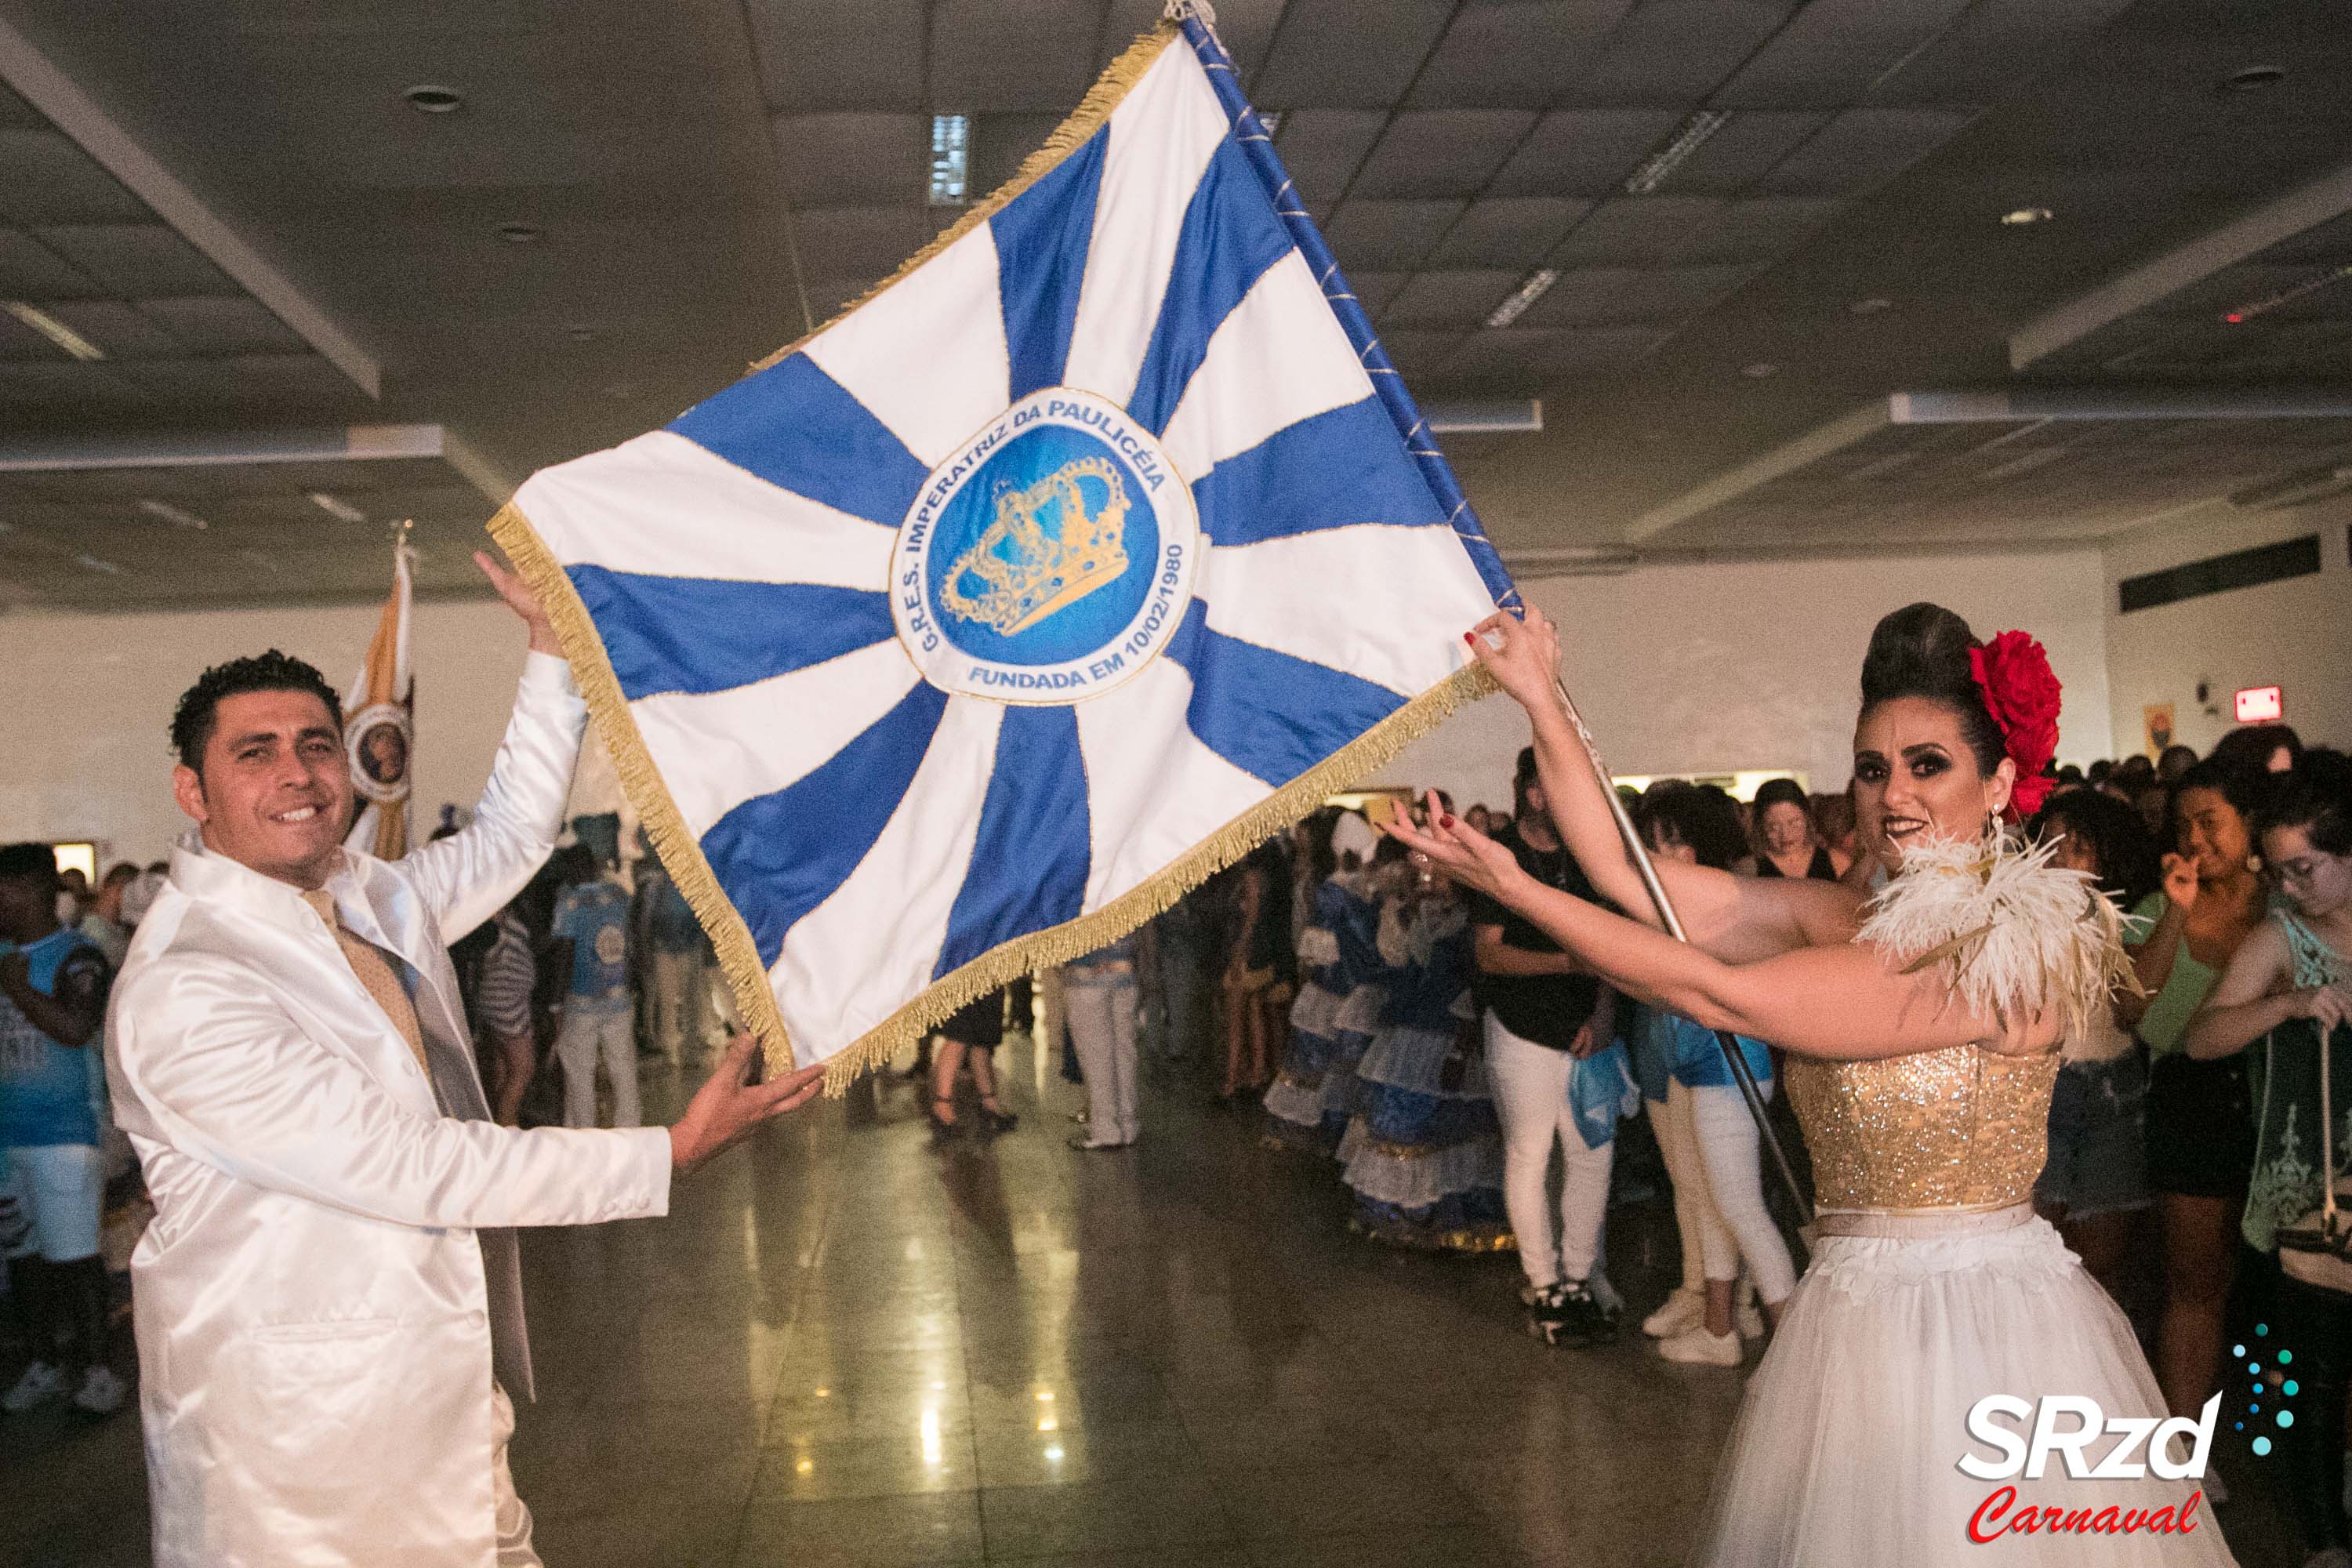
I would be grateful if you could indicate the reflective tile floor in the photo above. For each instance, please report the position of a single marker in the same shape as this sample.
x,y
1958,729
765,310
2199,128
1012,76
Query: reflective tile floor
x,y
845,1347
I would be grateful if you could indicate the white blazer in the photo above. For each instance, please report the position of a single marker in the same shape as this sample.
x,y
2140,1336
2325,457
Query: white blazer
x,y
329,1282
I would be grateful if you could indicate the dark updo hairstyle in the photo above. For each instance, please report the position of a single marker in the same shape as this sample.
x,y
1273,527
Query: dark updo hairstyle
x,y
2315,795
1700,815
2130,864
2253,746
1922,651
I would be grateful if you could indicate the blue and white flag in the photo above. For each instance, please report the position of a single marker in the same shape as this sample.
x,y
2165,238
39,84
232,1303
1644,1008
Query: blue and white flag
x,y
1092,548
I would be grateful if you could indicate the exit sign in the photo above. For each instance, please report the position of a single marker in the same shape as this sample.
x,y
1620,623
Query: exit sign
x,y
2261,705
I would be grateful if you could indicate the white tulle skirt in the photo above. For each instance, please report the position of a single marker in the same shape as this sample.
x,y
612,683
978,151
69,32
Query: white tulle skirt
x,y
1847,1448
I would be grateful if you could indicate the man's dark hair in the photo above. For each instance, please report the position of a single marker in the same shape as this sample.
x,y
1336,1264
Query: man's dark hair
x,y
193,720
28,862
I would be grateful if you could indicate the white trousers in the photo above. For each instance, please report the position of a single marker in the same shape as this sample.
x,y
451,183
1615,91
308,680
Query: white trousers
x,y
1530,1084
585,1035
1729,1151
678,1001
514,1549
1102,1031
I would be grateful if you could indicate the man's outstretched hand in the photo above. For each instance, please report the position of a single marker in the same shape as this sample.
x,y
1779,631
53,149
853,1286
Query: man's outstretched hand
x,y
727,1107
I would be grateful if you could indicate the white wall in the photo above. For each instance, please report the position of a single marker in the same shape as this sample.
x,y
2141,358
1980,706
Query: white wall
x,y
2296,634
1716,666
83,748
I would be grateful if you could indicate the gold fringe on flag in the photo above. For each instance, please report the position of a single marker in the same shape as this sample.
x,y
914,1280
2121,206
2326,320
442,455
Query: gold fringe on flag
x,y
738,957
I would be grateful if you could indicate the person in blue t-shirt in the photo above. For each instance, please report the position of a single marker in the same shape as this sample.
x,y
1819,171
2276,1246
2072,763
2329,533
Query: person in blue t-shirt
x,y
590,945
53,985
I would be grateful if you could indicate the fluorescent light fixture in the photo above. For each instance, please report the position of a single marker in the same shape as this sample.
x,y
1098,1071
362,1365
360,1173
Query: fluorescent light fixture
x,y
336,507
57,331
1572,561
1687,139
92,564
1483,416
2018,217
171,514
951,159
1539,282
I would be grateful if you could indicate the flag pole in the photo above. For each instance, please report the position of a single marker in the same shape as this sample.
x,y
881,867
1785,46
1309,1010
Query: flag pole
x,y
1639,854
1197,21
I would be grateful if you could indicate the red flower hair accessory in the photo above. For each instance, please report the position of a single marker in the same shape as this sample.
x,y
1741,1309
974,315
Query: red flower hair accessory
x,y
2022,693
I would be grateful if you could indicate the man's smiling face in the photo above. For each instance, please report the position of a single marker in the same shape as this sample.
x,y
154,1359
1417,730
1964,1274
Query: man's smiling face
x,y
275,792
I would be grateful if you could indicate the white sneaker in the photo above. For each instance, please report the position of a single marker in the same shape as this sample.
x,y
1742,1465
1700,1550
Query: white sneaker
x,y
1684,1309
42,1379
102,1393
1700,1348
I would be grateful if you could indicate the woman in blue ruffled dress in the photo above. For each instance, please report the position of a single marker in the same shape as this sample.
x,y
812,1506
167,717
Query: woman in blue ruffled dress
x,y
1422,1153
1339,1000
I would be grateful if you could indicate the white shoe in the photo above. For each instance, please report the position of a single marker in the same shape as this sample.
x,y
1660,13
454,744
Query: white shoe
x,y
1748,1319
1683,1310
1700,1348
102,1393
42,1379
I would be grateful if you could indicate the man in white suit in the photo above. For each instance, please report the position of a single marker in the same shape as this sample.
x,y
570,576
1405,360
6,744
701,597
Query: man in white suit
x,y
328,1306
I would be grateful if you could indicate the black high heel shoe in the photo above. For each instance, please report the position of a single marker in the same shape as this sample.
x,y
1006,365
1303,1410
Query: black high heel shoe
x,y
996,1119
942,1128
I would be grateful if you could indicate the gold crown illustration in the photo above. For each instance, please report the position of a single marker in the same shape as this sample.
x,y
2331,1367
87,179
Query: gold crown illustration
x,y
1032,571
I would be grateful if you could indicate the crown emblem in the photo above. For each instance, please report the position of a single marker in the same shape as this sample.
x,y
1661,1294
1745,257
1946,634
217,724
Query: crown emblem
x,y
1045,550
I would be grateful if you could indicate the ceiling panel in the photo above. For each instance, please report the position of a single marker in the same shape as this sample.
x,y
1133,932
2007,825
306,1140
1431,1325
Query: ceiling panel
x,y
222,325
846,158
1441,152
1644,230
863,241
1243,26
1518,53
1459,300
1004,56
1761,228
1861,149
1374,289
120,329
1322,148
1516,232
818,55
1750,145
1677,51
1529,359
1993,48
1832,51
1391,235
45,178
1336,53
136,261
31,271
1583,152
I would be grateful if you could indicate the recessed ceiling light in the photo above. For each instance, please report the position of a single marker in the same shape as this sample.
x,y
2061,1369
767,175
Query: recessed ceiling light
x,y
1525,294
428,99
1760,370
2254,78
57,331
171,514
1687,139
582,334
337,507
2016,217
1869,307
519,233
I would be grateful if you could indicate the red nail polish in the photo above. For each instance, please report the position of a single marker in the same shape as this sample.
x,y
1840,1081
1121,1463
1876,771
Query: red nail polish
x,y
1470,637
1448,821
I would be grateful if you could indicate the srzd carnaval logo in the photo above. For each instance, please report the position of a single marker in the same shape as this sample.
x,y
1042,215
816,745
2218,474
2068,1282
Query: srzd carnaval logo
x,y
2025,1453
1049,559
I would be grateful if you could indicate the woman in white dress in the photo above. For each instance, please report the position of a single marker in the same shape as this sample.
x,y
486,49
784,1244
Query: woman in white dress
x,y
1922,1025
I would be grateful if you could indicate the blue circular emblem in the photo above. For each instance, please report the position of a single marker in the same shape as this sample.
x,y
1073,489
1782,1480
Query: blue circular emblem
x,y
1049,559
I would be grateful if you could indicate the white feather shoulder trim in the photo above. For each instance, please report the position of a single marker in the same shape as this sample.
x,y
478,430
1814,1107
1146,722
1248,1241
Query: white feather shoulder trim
x,y
2012,934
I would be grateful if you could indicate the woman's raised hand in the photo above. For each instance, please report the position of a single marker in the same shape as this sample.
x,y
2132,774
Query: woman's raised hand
x,y
1522,653
1452,846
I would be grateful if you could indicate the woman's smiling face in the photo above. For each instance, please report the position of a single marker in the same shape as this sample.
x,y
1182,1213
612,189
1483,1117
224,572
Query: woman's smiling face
x,y
1914,774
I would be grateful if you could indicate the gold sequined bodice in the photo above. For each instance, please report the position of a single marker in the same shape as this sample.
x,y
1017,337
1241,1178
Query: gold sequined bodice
x,y
1959,1128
